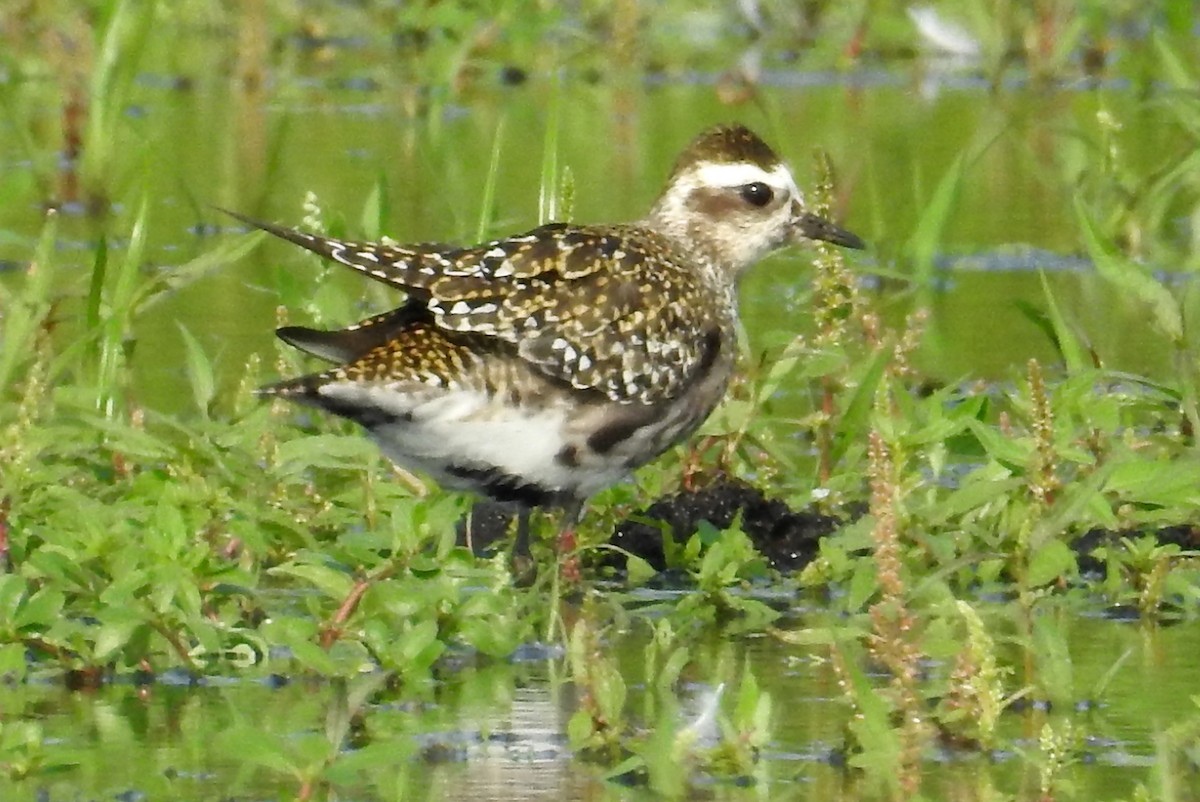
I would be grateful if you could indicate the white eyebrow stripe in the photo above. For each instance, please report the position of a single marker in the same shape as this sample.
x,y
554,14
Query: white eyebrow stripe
x,y
724,174
790,183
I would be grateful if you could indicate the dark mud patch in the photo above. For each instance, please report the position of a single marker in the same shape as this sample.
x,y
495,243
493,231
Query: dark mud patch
x,y
1185,536
787,539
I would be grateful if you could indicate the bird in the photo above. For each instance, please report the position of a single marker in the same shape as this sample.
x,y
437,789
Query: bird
x,y
541,368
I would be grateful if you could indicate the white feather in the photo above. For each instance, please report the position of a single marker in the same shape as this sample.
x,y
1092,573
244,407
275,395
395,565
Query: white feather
x,y
480,432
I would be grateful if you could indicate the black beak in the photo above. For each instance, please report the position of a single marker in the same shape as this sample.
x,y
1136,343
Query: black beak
x,y
812,227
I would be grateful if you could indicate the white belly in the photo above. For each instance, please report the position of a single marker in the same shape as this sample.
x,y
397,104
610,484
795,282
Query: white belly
x,y
456,435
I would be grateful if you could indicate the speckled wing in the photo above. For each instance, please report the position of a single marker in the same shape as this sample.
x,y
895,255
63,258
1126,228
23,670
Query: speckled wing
x,y
411,268
608,308
419,354
417,269
350,343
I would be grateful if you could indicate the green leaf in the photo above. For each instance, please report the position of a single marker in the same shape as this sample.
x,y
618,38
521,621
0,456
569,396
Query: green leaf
x,y
114,634
668,675
925,240
41,610
249,744
59,564
12,594
862,401
418,639
1173,69
982,487
878,739
608,686
637,570
863,584
625,768
199,371
215,257
314,658
823,362
336,583
131,441
1052,560
1007,450
380,757
13,663
748,696
96,286
302,454
1081,502
797,356
1054,324
375,209
1168,483
1055,673
1124,275
579,729
488,202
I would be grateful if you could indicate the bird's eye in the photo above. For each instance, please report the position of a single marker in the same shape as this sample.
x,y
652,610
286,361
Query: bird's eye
x,y
757,194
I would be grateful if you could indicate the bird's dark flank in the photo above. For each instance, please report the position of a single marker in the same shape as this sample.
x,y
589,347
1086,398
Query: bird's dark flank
x,y
543,367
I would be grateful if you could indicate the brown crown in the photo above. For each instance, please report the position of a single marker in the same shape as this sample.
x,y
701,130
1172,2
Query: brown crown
x,y
729,144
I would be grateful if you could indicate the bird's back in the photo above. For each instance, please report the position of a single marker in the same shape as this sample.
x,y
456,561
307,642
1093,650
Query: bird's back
x,y
537,368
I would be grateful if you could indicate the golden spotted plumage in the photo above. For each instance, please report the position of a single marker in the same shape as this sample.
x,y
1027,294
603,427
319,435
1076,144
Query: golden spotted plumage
x,y
542,367
617,309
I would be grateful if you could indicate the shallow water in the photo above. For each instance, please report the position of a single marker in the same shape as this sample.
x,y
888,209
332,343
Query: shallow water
x,y
490,730
196,144
496,730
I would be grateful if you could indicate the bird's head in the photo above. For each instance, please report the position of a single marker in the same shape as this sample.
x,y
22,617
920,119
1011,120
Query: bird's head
x,y
733,199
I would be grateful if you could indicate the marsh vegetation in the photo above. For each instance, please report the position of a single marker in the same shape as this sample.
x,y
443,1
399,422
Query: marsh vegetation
x,y
990,416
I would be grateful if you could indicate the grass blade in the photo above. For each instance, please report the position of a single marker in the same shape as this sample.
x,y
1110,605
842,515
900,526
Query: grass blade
x,y
487,211
1123,274
927,237
199,371
548,187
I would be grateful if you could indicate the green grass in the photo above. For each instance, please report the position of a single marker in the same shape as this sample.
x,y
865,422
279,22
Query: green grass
x,y
239,538
268,538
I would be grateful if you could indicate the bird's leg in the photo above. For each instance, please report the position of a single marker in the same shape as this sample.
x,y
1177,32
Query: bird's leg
x,y
521,545
566,544
523,568
470,541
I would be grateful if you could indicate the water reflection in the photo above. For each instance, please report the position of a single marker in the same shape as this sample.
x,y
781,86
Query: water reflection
x,y
518,753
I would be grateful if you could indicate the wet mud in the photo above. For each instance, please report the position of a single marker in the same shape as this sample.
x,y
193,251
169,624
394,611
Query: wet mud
x,y
788,539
